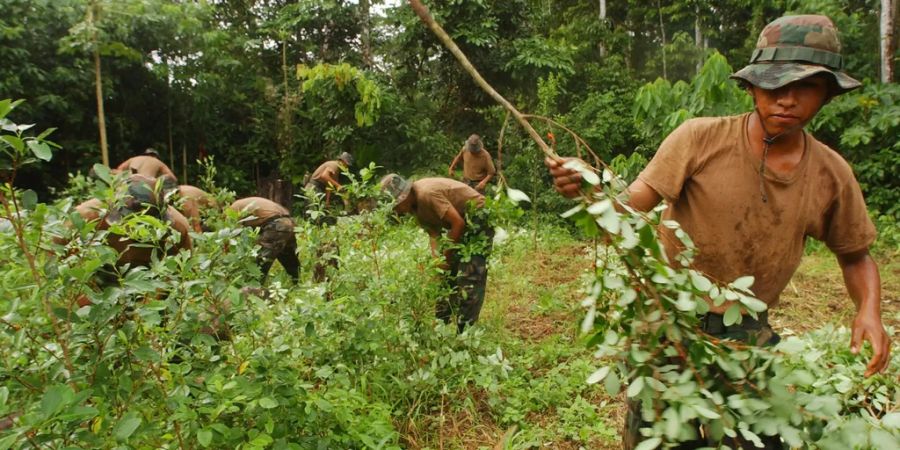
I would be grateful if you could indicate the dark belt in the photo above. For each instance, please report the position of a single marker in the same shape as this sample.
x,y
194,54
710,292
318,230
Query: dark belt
x,y
272,219
713,323
756,331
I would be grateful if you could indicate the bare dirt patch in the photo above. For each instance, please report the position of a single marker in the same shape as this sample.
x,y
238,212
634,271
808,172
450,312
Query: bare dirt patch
x,y
538,293
816,296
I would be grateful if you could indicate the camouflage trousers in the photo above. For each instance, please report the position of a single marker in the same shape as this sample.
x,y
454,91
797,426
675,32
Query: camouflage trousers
x,y
473,184
277,241
750,330
468,279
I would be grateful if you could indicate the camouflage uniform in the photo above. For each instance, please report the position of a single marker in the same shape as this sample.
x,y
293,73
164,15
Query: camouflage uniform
x,y
789,49
277,241
468,278
467,275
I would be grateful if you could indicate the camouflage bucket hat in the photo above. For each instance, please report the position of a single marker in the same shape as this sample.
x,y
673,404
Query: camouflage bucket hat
x,y
795,47
348,159
142,194
396,186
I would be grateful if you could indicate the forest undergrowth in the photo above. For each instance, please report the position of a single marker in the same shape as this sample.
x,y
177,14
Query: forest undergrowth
x,y
181,354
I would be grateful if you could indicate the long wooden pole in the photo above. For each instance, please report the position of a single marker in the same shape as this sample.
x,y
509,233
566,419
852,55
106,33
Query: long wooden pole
x,y
98,88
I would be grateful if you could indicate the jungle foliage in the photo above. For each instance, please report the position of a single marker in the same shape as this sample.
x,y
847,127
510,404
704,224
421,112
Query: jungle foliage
x,y
179,354
182,354
261,84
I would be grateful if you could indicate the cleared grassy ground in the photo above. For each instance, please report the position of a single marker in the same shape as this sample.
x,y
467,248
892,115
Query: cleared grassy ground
x,y
532,310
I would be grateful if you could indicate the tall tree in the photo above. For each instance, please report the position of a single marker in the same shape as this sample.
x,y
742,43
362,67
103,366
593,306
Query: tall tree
x,y
106,23
93,15
888,14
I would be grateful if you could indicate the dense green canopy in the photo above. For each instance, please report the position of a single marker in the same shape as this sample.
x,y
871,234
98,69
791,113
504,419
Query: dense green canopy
x,y
278,86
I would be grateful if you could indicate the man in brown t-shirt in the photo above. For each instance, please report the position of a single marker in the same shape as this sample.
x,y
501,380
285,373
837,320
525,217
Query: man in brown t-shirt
x,y
191,200
327,177
276,233
144,196
147,165
750,189
478,167
443,204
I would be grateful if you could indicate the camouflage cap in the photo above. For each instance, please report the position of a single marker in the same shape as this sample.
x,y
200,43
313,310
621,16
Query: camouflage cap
x,y
396,186
347,158
791,48
473,143
143,195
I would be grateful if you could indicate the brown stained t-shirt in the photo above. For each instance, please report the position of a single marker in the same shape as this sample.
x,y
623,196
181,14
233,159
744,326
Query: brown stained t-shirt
x,y
435,196
92,209
193,200
147,166
707,174
331,169
259,208
477,165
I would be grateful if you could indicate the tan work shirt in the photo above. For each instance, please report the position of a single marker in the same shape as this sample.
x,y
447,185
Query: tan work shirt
x,y
92,209
147,166
435,196
707,174
477,165
256,211
192,200
330,169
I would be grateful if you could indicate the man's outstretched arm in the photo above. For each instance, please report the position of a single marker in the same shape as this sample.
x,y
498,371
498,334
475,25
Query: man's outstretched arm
x,y
453,164
864,286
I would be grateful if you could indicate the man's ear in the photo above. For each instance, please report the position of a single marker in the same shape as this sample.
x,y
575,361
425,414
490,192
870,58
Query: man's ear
x,y
749,89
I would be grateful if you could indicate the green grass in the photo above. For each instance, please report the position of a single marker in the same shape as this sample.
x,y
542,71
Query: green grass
x,y
532,314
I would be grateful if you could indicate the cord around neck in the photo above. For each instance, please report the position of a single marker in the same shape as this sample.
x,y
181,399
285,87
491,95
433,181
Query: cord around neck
x,y
768,140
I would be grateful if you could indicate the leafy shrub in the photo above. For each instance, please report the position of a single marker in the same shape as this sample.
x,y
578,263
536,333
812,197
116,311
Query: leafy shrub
x,y
863,125
661,106
643,314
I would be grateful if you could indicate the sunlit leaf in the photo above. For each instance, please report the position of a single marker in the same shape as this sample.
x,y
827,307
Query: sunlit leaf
x,y
649,444
40,150
204,436
635,387
732,315
743,283
598,375
516,195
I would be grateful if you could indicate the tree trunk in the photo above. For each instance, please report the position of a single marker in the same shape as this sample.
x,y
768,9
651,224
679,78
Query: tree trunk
x,y
698,37
662,33
602,17
169,115
366,33
184,178
888,14
98,87
284,143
